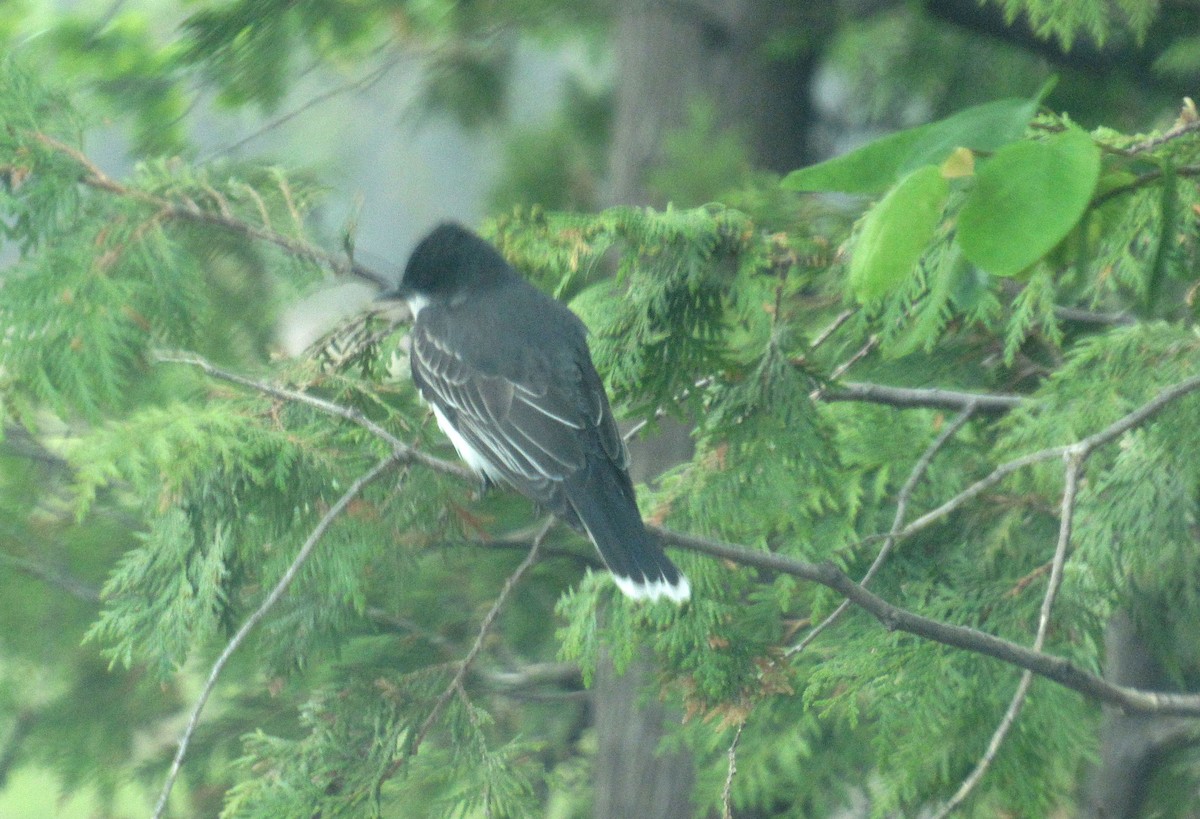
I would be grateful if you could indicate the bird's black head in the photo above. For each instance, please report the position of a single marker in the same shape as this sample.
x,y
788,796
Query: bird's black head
x,y
448,262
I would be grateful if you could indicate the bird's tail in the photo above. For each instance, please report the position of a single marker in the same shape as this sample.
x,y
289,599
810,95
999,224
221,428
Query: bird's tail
x,y
603,501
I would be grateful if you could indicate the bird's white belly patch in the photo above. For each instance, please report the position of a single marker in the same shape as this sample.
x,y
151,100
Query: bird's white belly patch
x,y
465,451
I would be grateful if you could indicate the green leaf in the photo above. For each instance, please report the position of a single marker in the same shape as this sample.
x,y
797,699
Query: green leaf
x,y
986,127
867,170
1026,199
872,168
896,232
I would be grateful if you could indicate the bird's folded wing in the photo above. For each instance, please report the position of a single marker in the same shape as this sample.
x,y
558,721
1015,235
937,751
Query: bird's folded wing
x,y
532,430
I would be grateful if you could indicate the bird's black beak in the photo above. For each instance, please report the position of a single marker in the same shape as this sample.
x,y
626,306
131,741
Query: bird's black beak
x,y
397,293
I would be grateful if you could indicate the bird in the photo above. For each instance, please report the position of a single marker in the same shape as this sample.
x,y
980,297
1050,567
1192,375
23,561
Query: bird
x,y
509,376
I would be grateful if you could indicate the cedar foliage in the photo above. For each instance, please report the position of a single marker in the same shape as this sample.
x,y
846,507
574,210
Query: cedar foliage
x,y
189,496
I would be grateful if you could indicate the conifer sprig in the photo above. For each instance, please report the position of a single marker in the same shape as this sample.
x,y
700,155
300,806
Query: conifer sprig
x,y
396,458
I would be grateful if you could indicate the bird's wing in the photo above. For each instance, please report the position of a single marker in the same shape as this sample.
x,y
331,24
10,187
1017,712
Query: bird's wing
x,y
601,417
531,429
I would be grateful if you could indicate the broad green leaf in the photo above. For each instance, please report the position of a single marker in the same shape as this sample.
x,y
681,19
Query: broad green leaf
x,y
1026,199
875,166
867,170
986,127
896,231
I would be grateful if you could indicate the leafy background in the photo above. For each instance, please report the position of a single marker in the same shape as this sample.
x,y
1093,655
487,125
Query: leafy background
x,y
1012,238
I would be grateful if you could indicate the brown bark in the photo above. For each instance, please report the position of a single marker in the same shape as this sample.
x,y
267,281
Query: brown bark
x,y
1132,746
670,55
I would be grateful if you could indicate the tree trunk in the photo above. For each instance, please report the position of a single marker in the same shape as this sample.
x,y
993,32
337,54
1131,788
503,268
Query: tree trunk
x,y
671,54
1133,746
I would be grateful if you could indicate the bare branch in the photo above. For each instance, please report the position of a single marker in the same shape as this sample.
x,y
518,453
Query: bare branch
x,y
356,85
902,501
933,398
402,450
1141,181
536,675
94,177
10,751
841,369
1092,317
1187,123
1034,660
898,619
55,577
832,328
318,532
484,627
727,791
1083,448
1066,519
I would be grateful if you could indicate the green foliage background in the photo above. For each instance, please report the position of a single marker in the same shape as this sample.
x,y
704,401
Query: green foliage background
x,y
147,508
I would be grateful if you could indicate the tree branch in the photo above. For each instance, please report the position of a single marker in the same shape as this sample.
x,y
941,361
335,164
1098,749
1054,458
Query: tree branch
x,y
827,574
93,177
356,85
535,674
1083,448
318,532
902,501
934,398
10,751
1092,317
897,619
727,791
1141,181
455,685
841,369
53,576
403,451
823,336
1066,518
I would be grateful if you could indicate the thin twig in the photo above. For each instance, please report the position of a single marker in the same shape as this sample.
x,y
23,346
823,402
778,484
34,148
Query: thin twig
x,y
361,84
1188,123
404,451
889,542
94,177
254,619
55,577
1084,446
1082,316
1141,181
727,791
841,369
922,398
10,751
661,412
484,628
832,328
1074,466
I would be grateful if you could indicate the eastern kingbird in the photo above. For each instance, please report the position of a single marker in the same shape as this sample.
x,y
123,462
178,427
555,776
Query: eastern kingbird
x,y
508,374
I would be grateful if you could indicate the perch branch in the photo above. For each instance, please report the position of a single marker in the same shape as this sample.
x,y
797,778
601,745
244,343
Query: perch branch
x,y
894,617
